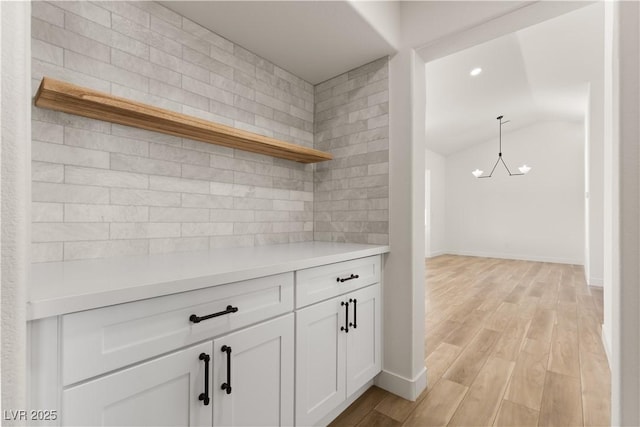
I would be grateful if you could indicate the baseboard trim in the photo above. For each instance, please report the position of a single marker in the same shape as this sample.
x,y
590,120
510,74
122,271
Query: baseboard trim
x,y
518,257
406,388
605,344
437,253
596,281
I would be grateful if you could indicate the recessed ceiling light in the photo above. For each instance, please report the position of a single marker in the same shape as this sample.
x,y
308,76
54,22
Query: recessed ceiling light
x,y
475,71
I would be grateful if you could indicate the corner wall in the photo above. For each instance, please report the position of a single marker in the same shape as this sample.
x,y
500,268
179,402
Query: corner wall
x,y
352,122
537,217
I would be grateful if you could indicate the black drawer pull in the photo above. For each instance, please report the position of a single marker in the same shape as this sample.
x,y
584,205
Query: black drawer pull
x,y
355,313
345,328
205,396
353,276
227,386
230,309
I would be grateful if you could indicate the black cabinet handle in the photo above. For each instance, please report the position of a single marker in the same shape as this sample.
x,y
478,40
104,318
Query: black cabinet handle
x,y
345,328
353,276
205,396
230,309
227,386
355,313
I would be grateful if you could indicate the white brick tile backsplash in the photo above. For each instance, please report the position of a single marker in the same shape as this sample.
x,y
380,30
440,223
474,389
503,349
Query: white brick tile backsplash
x,y
144,230
144,165
46,212
52,34
86,65
87,10
351,192
207,201
106,248
128,10
46,252
58,153
178,185
62,232
207,229
182,244
105,35
105,142
47,52
176,154
47,172
47,12
67,193
157,214
108,178
105,213
145,35
47,132
101,189
121,196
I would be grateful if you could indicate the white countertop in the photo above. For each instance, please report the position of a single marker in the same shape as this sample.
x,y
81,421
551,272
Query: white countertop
x,y
66,287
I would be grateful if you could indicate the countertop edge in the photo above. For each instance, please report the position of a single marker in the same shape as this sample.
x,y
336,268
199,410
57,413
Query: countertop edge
x,y
49,307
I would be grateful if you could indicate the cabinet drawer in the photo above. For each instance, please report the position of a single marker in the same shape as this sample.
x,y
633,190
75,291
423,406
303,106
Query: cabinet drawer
x,y
320,283
100,340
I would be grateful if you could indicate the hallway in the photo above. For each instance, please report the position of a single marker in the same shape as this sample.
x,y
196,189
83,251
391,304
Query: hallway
x,y
508,343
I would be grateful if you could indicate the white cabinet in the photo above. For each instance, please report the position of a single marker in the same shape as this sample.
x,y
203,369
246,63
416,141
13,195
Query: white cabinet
x,y
253,375
363,342
337,351
161,392
277,350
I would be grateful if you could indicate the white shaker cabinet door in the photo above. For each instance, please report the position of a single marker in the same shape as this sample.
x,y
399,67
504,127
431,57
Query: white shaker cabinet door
x,y
363,340
253,375
162,392
320,360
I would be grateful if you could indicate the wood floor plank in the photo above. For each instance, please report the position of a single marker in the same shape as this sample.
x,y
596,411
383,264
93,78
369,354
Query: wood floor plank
x,y
589,331
397,408
514,415
564,357
596,406
481,403
439,361
542,324
376,419
359,409
527,382
561,401
465,368
439,406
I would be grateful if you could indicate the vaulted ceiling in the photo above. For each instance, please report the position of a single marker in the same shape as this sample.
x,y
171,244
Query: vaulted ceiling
x,y
544,72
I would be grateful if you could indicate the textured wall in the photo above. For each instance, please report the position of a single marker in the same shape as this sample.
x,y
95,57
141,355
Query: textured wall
x,y
101,189
352,122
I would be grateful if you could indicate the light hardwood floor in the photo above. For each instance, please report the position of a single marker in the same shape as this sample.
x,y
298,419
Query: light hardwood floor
x,y
509,343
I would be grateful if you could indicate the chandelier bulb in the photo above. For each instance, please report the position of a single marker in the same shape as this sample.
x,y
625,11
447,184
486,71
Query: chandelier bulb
x,y
477,173
524,169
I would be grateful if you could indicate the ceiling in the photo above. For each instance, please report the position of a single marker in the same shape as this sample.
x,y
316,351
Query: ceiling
x,y
543,72
315,40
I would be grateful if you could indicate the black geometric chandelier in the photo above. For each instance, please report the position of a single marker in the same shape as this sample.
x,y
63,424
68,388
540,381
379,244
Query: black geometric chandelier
x,y
523,169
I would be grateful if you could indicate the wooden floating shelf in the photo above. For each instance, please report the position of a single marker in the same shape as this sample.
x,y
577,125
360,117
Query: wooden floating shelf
x,y
69,98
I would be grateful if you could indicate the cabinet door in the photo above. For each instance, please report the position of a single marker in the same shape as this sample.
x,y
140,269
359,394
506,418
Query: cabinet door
x,y
363,339
161,392
260,364
320,360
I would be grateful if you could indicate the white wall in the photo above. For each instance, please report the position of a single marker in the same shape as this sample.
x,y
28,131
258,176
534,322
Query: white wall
x,y
435,203
537,217
15,152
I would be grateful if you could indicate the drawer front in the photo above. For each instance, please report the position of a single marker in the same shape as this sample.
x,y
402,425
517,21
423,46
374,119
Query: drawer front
x,y
327,281
100,340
